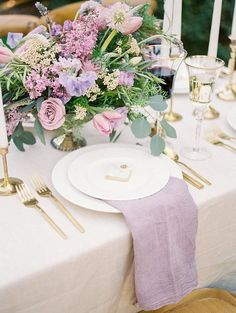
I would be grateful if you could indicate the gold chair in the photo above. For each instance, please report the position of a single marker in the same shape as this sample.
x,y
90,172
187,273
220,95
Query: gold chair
x,y
17,23
205,300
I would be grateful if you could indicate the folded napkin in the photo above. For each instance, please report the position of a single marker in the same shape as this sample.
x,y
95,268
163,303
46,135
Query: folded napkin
x,y
163,228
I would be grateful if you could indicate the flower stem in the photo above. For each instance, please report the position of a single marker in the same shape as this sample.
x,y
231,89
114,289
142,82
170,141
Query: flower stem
x,y
108,40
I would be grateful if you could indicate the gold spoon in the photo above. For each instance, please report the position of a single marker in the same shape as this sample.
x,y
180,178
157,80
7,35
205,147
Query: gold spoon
x,y
174,156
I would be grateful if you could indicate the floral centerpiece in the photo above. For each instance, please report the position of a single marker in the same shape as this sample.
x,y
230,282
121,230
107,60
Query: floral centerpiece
x,y
91,68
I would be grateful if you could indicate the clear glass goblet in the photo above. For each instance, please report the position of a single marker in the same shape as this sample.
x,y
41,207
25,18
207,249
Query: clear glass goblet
x,y
203,71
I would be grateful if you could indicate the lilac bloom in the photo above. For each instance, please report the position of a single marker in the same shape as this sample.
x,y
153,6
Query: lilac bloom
x,y
13,39
77,86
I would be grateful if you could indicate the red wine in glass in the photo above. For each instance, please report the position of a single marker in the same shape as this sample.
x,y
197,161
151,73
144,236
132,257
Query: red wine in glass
x,y
167,75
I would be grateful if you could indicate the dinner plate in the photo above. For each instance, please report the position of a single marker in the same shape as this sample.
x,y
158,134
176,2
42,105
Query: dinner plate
x,y
142,175
63,186
231,118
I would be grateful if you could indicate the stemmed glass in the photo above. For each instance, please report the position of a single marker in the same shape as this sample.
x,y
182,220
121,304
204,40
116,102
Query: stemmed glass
x,y
167,57
203,71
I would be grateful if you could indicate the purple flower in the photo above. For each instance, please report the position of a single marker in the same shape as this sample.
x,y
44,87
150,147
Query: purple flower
x,y
13,39
13,117
67,26
77,86
40,30
56,30
126,79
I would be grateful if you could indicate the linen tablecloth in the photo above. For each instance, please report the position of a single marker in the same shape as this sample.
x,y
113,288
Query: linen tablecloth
x,y
93,272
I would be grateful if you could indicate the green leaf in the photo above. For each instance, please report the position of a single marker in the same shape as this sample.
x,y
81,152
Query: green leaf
x,y
19,130
39,102
157,145
18,143
157,103
170,131
27,138
112,135
39,131
141,128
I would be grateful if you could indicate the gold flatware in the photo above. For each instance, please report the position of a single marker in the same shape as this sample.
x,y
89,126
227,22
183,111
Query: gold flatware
x,y
219,133
29,200
216,141
43,190
175,157
189,179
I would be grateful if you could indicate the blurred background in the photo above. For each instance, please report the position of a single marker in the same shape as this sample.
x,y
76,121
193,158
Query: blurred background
x,y
195,26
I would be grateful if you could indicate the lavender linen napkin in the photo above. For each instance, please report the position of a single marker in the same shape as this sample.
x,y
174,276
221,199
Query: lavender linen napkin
x,y
163,228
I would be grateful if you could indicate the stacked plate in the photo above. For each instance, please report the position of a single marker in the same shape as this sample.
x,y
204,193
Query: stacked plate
x,y
82,176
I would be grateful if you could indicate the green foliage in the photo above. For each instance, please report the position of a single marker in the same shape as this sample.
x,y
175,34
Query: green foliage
x,y
157,145
157,103
22,137
141,128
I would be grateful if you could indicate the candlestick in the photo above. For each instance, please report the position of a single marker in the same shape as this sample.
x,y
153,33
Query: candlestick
x,y
7,184
168,16
229,91
215,29
3,131
233,30
177,19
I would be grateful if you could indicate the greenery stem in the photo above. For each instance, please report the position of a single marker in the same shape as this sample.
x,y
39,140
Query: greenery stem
x,y
108,40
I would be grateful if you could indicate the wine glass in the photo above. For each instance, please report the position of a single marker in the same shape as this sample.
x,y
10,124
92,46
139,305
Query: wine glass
x,y
202,72
167,57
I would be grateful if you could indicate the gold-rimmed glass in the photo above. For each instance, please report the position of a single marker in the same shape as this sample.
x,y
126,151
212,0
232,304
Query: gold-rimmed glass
x,y
203,71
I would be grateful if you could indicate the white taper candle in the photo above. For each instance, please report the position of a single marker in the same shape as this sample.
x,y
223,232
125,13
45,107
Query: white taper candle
x,y
177,19
3,131
233,31
215,29
168,16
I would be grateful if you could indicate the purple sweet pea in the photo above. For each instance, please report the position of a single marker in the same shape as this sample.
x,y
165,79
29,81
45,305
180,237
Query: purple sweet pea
x,y
126,79
67,26
77,86
40,30
56,30
13,39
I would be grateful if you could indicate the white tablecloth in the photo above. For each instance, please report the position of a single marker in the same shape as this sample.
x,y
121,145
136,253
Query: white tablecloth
x,y
93,272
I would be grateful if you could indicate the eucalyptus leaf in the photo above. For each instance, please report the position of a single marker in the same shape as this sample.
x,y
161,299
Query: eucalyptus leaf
x,y
19,144
19,130
141,128
157,103
170,131
157,145
27,138
39,102
39,130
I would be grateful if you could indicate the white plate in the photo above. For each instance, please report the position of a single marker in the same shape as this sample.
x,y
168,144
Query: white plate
x,y
231,118
148,175
65,189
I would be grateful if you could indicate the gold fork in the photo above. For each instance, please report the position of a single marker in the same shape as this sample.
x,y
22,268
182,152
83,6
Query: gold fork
x,y
223,135
29,200
43,190
215,141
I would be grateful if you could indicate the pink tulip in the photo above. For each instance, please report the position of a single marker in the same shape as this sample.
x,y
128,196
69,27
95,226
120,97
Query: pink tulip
x,y
112,115
6,55
102,124
131,25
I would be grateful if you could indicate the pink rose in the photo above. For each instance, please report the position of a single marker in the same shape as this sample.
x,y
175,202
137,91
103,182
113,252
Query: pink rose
x,y
52,113
6,55
102,124
131,25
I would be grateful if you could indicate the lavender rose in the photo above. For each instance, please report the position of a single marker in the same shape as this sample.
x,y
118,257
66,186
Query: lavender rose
x,y
52,113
